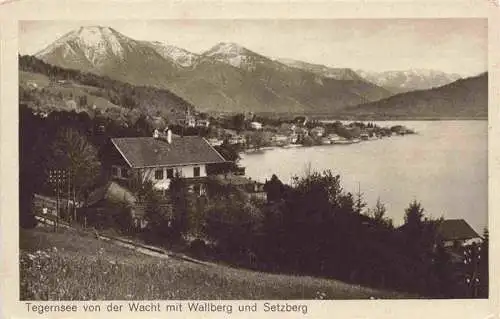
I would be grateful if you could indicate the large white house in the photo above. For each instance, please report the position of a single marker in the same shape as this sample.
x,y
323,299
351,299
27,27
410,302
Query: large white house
x,y
160,158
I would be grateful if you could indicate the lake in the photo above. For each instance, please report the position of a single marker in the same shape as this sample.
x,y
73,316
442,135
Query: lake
x,y
444,167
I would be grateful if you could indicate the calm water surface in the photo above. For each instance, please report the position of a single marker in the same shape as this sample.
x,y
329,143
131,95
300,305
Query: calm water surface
x,y
444,167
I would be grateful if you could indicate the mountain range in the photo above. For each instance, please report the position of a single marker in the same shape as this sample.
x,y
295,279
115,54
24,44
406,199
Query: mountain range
x,y
464,99
409,80
229,77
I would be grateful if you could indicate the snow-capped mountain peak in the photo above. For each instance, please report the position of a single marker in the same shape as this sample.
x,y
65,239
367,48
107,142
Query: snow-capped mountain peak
x,y
411,79
235,55
178,55
227,49
96,43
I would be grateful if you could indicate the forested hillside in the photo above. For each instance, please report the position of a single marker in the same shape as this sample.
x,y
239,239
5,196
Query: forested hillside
x,y
46,88
462,99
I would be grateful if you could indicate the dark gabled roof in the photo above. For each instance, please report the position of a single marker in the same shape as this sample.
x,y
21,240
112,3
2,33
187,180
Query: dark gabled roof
x,y
151,152
456,229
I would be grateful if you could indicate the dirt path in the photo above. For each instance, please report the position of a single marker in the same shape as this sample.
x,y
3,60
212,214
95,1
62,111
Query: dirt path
x,y
130,244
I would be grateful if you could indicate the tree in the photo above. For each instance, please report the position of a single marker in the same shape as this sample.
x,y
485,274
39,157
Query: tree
x,y
274,189
378,214
443,271
316,214
256,139
232,221
30,177
82,100
359,204
142,126
156,215
143,189
179,196
127,101
228,151
238,122
420,238
414,215
72,151
379,211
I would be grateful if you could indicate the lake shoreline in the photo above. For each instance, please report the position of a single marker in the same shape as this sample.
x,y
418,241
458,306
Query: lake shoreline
x,y
437,166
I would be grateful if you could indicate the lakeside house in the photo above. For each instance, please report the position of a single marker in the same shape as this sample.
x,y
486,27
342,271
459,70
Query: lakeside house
x,y
325,141
334,138
256,126
161,158
188,122
233,137
317,131
300,120
457,233
280,139
252,188
301,132
237,139
202,123
287,128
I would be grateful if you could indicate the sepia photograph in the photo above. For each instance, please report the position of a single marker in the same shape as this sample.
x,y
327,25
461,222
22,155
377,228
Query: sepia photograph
x,y
253,159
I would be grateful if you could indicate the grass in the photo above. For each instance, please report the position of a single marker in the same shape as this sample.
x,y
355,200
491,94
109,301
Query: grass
x,y
67,90
69,266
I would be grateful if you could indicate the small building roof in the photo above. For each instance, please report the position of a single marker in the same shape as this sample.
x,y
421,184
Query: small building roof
x,y
111,192
320,128
236,180
456,229
152,152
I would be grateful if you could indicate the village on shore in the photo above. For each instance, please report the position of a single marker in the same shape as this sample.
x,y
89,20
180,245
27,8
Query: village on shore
x,y
251,132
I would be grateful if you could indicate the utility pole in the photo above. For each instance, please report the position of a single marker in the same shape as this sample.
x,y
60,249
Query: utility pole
x,y
57,177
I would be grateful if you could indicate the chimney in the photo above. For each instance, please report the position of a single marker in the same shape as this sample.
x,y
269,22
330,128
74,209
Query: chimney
x,y
169,136
156,134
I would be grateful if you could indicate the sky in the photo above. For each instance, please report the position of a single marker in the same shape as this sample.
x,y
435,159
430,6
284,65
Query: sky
x,y
449,45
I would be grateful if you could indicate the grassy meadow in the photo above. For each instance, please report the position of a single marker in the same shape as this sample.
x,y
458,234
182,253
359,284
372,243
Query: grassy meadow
x,y
71,266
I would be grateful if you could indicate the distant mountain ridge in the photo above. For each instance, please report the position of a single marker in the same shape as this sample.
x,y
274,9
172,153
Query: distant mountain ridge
x,y
322,70
409,80
227,77
463,99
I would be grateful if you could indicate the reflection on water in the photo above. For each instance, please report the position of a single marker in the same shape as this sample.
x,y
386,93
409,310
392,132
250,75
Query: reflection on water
x,y
444,167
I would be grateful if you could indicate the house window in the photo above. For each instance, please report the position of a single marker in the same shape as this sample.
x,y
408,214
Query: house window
x,y
115,171
125,173
170,173
159,174
196,172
